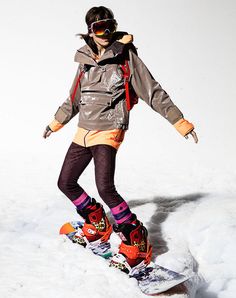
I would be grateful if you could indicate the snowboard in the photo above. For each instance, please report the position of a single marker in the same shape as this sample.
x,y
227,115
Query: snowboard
x,y
152,279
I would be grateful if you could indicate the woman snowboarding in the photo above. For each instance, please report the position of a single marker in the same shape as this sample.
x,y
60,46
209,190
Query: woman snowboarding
x,y
109,80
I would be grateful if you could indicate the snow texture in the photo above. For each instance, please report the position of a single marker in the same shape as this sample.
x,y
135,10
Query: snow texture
x,y
184,193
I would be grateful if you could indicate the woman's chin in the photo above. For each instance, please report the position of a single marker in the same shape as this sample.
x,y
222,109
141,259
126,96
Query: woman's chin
x,y
104,42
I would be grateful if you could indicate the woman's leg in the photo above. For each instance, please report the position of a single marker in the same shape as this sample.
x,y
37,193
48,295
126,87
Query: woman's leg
x,y
76,160
104,161
96,224
135,248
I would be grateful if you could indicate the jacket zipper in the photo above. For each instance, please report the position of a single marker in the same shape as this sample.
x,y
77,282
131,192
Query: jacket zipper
x,y
85,138
96,91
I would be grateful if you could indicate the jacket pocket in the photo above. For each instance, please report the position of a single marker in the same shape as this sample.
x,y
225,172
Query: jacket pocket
x,y
89,97
96,106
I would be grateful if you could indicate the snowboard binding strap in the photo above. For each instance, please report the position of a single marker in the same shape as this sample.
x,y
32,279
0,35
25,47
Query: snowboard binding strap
x,y
90,229
133,252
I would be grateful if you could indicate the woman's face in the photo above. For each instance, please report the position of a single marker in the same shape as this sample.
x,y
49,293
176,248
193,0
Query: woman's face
x,y
103,42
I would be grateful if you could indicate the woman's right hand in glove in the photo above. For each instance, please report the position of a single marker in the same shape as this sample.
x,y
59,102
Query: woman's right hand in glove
x,y
47,132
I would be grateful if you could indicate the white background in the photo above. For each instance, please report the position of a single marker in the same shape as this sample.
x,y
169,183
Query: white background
x,y
189,47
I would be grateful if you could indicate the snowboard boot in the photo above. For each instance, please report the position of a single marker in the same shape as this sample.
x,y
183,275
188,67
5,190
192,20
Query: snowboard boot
x,y
96,226
135,251
94,233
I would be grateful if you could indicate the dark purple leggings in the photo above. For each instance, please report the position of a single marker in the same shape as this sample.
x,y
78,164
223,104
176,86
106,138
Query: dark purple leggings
x,y
77,159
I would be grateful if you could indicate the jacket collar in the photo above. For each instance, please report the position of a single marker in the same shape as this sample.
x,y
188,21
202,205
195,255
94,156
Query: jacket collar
x,y
85,55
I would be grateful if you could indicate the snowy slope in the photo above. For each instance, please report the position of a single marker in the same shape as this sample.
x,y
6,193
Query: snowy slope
x,y
36,262
184,193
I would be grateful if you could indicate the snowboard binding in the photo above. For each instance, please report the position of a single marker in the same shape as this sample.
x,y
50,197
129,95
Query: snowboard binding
x,y
135,251
93,233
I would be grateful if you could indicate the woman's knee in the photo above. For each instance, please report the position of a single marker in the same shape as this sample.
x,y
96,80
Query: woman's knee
x,y
62,184
66,186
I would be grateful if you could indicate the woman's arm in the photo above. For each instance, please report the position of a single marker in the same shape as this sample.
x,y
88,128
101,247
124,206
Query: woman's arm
x,y
67,110
149,90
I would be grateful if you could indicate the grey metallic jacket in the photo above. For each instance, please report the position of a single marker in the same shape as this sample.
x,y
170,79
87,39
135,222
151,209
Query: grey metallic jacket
x,y
100,97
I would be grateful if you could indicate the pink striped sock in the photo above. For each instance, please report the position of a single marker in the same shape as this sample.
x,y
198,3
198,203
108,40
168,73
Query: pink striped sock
x,y
121,213
83,201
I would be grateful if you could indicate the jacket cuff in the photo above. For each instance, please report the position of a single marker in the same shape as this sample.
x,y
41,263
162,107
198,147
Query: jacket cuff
x,y
183,127
55,125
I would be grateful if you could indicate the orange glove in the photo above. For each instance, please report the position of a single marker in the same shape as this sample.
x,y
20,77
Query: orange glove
x,y
185,128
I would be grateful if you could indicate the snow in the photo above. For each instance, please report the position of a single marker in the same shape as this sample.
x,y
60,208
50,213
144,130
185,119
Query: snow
x,y
184,193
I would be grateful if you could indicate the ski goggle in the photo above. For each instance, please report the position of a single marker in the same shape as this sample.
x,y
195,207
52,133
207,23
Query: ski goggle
x,y
103,27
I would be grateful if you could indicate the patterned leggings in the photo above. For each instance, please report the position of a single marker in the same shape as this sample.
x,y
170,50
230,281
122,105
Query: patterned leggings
x,y
77,159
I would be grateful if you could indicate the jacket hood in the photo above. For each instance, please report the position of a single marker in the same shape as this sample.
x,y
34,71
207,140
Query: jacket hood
x,y
85,55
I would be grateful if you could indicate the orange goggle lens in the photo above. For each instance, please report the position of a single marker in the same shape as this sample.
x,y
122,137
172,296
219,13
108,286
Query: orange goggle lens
x,y
104,27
